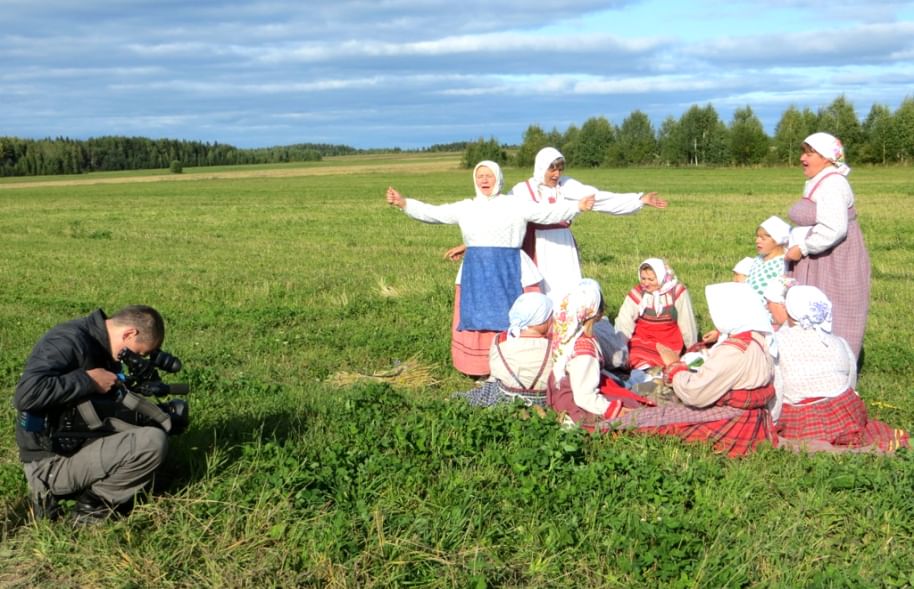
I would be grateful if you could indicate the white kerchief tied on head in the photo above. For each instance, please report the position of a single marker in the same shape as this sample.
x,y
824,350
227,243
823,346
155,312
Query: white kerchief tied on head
x,y
831,148
499,178
744,266
530,308
776,289
777,228
735,307
666,278
809,307
579,305
544,159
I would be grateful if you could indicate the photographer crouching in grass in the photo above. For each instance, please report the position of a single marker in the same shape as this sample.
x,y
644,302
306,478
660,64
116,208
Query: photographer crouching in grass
x,y
81,432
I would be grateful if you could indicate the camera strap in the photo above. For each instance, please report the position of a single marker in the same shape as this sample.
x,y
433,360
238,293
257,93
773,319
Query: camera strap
x,y
132,402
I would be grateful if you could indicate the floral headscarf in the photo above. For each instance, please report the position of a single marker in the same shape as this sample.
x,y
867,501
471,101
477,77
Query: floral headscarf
x,y
530,308
776,289
544,159
499,178
809,307
579,305
831,148
666,278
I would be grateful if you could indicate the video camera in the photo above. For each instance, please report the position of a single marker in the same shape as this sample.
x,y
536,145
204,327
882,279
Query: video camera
x,y
142,378
127,405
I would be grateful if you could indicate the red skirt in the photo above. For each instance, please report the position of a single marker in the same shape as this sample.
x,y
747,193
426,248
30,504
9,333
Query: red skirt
x,y
736,436
840,421
642,349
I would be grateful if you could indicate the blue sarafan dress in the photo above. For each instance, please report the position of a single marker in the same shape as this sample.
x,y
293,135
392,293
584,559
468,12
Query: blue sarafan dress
x,y
495,271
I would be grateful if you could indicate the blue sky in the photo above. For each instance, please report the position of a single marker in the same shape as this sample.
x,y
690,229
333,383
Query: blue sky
x,y
411,73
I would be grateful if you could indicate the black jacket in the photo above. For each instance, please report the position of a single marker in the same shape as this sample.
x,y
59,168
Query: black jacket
x,y
55,376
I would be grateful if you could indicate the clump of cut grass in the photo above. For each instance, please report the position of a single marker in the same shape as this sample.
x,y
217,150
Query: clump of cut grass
x,y
410,374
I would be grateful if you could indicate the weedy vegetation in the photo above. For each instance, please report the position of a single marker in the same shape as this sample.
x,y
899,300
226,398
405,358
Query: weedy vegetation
x,y
313,322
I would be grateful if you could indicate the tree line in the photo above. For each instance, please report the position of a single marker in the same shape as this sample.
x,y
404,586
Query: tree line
x,y
39,157
700,138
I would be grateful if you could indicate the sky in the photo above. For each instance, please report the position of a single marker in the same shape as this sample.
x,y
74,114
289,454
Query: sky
x,y
414,73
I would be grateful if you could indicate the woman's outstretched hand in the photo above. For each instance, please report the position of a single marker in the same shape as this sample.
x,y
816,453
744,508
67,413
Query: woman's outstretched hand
x,y
651,199
395,198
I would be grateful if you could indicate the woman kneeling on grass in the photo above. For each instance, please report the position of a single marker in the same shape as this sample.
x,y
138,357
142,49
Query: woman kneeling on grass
x,y
725,400
817,408
494,271
577,387
520,359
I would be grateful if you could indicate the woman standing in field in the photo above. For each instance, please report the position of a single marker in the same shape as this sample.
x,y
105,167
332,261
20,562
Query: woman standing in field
x,y
831,255
817,407
551,245
494,271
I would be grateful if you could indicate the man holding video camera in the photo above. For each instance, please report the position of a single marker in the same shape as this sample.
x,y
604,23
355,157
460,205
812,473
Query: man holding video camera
x,y
70,364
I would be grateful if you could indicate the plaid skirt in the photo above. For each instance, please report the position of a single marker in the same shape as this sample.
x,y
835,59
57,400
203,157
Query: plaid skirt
x,y
490,393
839,421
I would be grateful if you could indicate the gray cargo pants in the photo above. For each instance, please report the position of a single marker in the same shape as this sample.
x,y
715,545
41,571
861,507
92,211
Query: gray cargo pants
x,y
115,467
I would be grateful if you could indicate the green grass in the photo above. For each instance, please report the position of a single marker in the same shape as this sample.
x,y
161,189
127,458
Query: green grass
x,y
272,285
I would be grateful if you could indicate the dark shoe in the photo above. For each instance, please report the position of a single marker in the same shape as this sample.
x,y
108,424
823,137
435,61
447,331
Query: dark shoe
x,y
44,505
90,509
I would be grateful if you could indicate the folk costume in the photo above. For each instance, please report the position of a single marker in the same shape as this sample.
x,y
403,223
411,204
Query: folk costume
x,y
494,271
725,401
817,407
519,364
577,386
664,316
835,258
764,271
551,245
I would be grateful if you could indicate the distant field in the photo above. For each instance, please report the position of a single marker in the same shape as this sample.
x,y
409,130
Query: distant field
x,y
281,284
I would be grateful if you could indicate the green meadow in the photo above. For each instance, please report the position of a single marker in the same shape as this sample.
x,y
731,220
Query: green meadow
x,y
313,322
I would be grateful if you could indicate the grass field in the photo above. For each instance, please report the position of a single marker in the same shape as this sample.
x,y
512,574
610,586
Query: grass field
x,y
280,285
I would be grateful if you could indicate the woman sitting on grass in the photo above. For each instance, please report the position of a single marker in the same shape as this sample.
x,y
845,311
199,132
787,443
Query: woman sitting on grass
x,y
577,386
658,310
770,241
494,271
725,400
817,408
520,359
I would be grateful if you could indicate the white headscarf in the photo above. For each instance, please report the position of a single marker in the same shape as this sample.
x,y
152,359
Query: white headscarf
x,y
809,307
530,308
777,287
777,228
666,278
499,178
831,148
544,159
744,266
735,307
579,305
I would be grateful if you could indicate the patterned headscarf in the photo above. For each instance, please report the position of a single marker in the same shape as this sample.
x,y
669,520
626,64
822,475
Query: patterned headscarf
x,y
499,178
579,305
666,278
544,159
530,308
777,228
735,308
831,148
809,307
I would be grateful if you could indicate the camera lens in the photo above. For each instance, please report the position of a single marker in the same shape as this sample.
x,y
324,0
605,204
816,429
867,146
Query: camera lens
x,y
165,361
